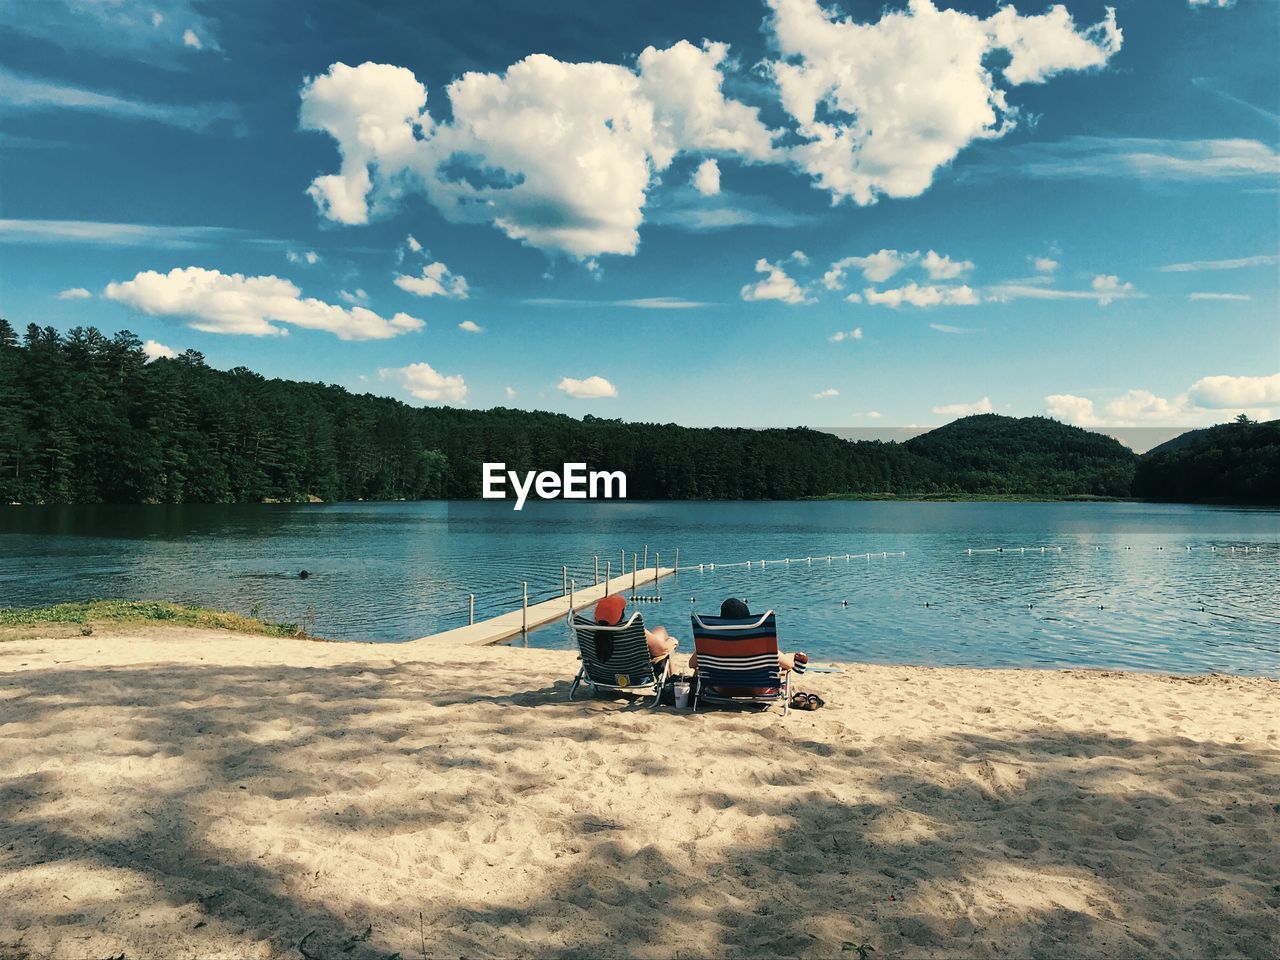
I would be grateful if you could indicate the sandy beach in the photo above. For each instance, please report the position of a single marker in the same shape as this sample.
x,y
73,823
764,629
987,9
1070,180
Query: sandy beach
x,y
184,793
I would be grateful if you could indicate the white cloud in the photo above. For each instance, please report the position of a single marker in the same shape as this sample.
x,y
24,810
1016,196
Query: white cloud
x,y
422,380
1261,260
353,296
800,257
882,106
643,303
412,243
1214,4
1142,158
826,394
147,30
876,267
1233,297
155,350
75,293
776,285
114,234
309,257
157,18
706,179
840,335
557,155
1208,401
189,39
947,328
23,92
436,281
940,267
874,414
965,409
217,302
470,326
854,298
592,388
1225,392
510,392
930,295
1044,264
1104,289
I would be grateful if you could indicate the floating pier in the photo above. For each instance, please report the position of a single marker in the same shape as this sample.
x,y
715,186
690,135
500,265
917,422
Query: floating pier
x,y
523,619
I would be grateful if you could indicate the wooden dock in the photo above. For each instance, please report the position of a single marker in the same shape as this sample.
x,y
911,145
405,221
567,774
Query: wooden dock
x,y
508,625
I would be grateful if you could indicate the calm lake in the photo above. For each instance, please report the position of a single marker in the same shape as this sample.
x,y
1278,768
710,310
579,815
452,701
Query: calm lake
x,y
1155,587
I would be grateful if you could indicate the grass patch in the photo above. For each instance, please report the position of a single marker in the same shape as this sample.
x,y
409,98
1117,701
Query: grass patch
x,y
143,612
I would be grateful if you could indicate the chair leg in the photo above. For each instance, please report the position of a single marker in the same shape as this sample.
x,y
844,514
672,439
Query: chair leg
x,y
574,686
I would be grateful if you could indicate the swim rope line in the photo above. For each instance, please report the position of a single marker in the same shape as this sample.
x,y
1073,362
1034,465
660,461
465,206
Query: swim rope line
x,y
601,571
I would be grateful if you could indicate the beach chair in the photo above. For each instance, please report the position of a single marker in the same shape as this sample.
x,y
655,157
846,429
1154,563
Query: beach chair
x,y
739,655
628,668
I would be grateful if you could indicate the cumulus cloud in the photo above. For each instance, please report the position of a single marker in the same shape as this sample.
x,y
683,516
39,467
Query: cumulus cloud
x,y
776,285
881,106
1207,401
412,243
840,335
155,350
423,381
1231,297
309,257
706,179
592,388
876,267
947,328
930,295
944,268
510,392
1261,260
353,296
436,280
75,293
1044,264
1225,392
1214,4
190,39
965,409
826,394
470,326
217,302
557,155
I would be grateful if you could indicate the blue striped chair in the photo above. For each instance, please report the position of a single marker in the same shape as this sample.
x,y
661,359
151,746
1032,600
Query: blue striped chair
x,y
628,668
738,658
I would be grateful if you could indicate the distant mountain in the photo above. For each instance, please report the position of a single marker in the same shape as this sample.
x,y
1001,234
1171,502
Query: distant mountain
x,y
1178,442
1233,463
994,454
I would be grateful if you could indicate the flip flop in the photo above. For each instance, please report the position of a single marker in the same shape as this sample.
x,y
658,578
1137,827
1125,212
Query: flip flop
x,y
806,701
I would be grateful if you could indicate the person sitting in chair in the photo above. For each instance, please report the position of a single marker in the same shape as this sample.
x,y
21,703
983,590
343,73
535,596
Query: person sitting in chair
x,y
608,613
734,609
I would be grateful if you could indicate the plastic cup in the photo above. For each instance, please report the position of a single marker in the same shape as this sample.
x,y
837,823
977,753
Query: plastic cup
x,y
682,695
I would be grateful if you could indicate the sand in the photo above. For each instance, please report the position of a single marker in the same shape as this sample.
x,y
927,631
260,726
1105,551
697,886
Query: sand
x,y
179,793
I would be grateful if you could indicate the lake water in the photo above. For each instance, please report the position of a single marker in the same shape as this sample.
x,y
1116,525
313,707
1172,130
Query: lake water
x,y
1156,587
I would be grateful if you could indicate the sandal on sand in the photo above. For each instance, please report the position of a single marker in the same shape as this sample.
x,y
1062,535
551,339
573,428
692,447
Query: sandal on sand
x,y
807,701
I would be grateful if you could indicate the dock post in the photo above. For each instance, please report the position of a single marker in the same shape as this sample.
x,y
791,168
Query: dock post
x,y
524,607
597,579
633,574
607,576
564,579
571,586
657,565
677,566
622,561
471,618
646,556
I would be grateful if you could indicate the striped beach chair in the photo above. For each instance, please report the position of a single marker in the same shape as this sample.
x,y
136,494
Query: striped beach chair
x,y
739,656
628,667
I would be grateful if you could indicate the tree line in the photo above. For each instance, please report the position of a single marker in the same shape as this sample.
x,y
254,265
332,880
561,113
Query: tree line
x,y
87,418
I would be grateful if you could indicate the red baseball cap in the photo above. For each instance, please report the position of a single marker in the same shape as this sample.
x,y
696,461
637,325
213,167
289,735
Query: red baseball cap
x,y
609,610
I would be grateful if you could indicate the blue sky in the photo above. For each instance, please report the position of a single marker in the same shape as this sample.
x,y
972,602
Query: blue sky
x,y
713,214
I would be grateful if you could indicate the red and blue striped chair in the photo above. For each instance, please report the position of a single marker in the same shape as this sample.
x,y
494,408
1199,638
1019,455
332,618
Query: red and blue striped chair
x,y
738,661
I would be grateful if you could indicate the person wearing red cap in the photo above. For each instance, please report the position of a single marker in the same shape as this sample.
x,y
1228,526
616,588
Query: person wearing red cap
x,y
609,612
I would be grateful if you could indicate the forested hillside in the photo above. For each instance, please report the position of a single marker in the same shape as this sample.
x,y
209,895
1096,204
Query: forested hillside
x,y
1237,462
85,418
